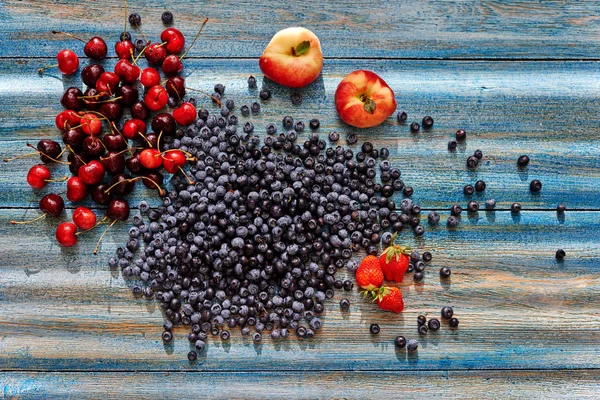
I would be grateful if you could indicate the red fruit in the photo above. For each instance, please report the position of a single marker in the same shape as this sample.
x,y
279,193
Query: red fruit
x,y
66,119
185,114
132,128
172,65
65,234
173,160
150,77
76,189
124,49
118,209
114,142
369,275
156,98
37,176
52,204
90,124
390,299
91,173
155,53
151,158
175,40
113,111
139,110
394,262
84,218
95,48
68,62
176,87
126,71
107,83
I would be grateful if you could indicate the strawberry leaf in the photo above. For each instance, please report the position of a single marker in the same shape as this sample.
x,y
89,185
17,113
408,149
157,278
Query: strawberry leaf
x,y
301,49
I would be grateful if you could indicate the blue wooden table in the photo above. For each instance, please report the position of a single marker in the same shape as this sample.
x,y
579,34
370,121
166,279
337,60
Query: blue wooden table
x,y
521,77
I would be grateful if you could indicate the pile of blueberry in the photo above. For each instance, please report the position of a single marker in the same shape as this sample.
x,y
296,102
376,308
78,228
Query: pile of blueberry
x,y
255,241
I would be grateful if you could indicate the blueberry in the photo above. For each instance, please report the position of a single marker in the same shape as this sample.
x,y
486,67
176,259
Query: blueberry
x,y
401,117
271,129
251,82
265,94
522,161
447,312
535,186
230,104
456,210
255,107
515,208
445,272
418,276
421,320
480,186
472,162
167,17
314,124
384,153
433,217
452,145
415,127
374,329
560,254
473,207
452,221
400,342
560,209
125,36
245,110
288,122
461,134
412,345
427,122
490,204
468,190
433,324
351,138
426,256
192,356
422,329
344,304
453,322
478,154
296,98
135,19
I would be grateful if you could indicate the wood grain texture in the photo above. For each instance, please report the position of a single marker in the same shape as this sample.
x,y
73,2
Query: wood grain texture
x,y
407,29
508,109
62,309
306,385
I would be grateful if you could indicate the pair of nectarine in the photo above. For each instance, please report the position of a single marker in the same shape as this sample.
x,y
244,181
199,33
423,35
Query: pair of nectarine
x,y
294,58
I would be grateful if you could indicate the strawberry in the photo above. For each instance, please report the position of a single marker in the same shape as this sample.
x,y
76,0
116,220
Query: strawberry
x,y
369,275
394,261
389,298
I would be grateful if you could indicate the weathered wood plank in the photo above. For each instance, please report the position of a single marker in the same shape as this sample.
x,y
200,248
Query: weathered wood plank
x,y
507,108
519,308
417,29
305,385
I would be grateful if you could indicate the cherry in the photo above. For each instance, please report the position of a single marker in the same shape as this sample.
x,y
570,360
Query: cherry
x,y
84,218
185,114
173,161
151,158
172,65
65,234
165,123
73,137
99,194
91,173
150,77
133,128
139,110
71,99
37,176
93,147
95,48
91,98
114,162
118,209
121,185
128,72
49,149
128,94
155,53
156,98
90,124
133,163
114,142
113,111
75,162
154,178
91,73
65,119
175,40
52,204
107,82
124,49
176,87
76,189
151,141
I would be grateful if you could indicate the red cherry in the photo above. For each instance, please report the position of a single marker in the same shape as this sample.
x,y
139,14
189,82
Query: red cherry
x,y
150,77
37,176
65,234
128,94
95,48
114,142
68,62
133,163
84,218
172,65
99,194
76,189
173,160
118,209
71,99
114,163
185,114
133,128
175,40
90,124
155,53
153,179
156,98
91,173
176,87
124,49
139,110
52,204
92,146
128,72
113,111
66,119
107,83
91,98
151,158
91,73
74,137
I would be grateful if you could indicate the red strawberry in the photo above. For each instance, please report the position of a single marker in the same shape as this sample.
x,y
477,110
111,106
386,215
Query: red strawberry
x,y
390,299
369,275
394,262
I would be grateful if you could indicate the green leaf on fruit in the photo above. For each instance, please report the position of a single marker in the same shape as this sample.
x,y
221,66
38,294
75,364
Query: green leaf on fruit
x,y
370,106
301,49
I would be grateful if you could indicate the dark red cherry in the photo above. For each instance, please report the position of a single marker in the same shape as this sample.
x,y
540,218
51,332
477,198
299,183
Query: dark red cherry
x,y
172,65
176,87
74,138
99,195
114,142
140,111
95,48
76,162
114,162
129,94
133,163
151,141
122,185
71,99
52,204
112,110
154,176
91,73
164,123
91,99
92,147
50,148
118,209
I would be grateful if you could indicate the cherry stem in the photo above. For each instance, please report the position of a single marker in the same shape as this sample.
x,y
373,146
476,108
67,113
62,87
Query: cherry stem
x,y
30,221
194,41
35,153
140,29
145,138
161,192
101,142
97,223
75,154
125,24
64,178
104,117
158,140
139,55
41,69
68,34
203,92
190,181
113,99
102,236
47,156
183,151
124,138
